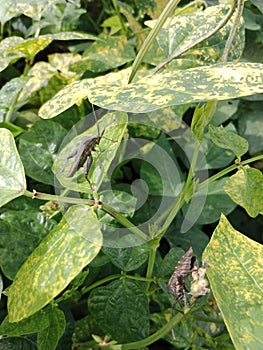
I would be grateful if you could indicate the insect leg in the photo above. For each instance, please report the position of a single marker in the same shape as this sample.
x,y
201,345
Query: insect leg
x,y
87,165
73,154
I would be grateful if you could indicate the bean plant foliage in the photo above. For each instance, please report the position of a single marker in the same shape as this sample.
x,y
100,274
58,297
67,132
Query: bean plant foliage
x,y
131,133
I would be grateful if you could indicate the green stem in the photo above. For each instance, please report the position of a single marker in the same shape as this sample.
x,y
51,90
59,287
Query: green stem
x,y
174,209
52,197
11,108
139,278
124,221
191,172
155,336
151,37
226,171
105,207
105,280
117,10
240,7
153,249
2,30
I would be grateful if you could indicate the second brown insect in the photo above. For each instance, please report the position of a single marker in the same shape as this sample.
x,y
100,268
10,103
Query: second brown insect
x,y
176,284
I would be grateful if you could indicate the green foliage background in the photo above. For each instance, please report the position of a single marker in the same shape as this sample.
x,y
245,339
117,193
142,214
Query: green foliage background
x,y
62,286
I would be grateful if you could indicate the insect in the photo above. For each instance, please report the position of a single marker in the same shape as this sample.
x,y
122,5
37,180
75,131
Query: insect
x,y
176,284
83,154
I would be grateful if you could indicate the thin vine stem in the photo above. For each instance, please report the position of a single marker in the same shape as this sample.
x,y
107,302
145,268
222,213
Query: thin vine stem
x,y
174,208
152,255
101,282
124,221
240,7
227,170
151,37
103,206
157,335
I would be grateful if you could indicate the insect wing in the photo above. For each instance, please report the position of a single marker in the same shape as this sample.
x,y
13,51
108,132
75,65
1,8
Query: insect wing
x,y
86,145
176,284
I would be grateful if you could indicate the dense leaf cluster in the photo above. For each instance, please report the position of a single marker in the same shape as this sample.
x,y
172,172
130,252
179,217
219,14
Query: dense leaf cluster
x,y
172,160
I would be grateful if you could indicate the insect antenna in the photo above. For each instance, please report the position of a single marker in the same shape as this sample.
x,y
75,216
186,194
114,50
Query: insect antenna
x,y
96,119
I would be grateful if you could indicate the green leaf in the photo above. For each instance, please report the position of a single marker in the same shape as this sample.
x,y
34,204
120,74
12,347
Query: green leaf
x,y
9,93
12,176
114,124
224,111
104,55
228,140
251,22
38,149
216,202
201,118
15,343
245,188
258,4
194,237
48,338
15,130
121,201
221,81
121,310
1,286
160,169
144,6
250,126
69,247
32,324
216,157
235,275
128,259
21,232
170,261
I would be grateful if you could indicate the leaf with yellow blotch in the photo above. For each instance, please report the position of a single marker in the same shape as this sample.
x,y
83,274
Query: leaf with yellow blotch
x,y
246,188
60,257
236,279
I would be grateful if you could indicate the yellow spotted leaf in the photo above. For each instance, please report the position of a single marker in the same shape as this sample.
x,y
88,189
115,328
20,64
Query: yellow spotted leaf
x,y
236,279
12,174
60,257
246,188
220,81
